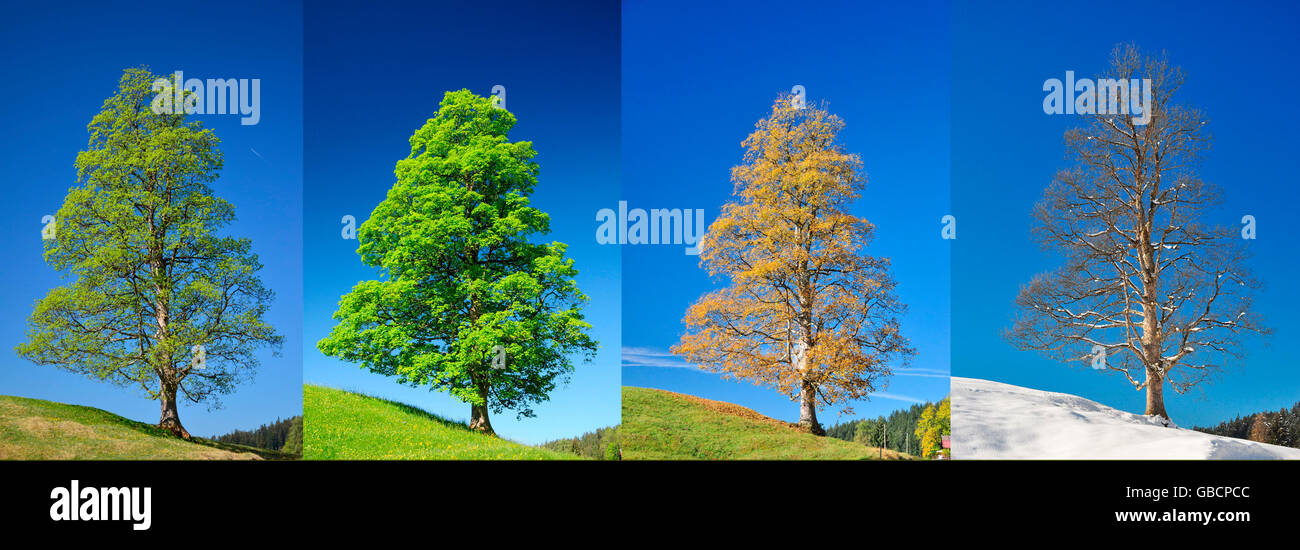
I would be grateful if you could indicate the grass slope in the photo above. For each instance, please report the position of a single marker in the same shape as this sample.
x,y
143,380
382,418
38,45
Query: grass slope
x,y
33,429
341,425
662,425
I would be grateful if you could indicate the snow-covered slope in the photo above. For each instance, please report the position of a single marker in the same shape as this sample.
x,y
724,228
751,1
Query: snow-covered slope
x,y
994,420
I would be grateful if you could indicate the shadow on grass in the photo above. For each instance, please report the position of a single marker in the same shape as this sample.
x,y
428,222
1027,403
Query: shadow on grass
x,y
155,431
415,411
421,413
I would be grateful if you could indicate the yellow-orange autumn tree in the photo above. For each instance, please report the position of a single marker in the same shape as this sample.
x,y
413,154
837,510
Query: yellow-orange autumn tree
x,y
806,311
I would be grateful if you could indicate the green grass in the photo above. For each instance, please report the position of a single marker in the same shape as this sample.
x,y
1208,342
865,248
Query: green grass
x,y
661,425
341,425
33,429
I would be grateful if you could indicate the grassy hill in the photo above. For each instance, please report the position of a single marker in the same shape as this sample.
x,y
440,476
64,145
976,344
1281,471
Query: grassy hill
x,y
33,429
662,425
341,425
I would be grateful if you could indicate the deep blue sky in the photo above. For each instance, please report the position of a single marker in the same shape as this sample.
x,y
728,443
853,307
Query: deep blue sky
x,y
697,77
62,62
373,76
1237,60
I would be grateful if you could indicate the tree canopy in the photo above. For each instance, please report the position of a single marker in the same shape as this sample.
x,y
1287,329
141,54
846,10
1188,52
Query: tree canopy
x,y
467,303
158,299
1147,289
807,311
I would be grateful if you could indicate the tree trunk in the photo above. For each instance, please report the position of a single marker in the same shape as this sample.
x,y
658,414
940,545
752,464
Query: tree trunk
x,y
478,419
478,414
171,417
1155,394
808,409
1152,338
1155,382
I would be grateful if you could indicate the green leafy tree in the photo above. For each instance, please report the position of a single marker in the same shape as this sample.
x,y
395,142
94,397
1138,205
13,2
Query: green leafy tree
x,y
157,299
613,451
870,433
293,442
466,303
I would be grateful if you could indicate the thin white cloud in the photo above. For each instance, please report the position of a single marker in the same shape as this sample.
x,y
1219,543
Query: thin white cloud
x,y
650,357
897,397
647,351
923,373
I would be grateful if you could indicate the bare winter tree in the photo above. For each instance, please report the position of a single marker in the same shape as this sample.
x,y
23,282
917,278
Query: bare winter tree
x,y
1147,288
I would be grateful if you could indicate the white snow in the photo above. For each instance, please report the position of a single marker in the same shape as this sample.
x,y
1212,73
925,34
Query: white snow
x,y
992,420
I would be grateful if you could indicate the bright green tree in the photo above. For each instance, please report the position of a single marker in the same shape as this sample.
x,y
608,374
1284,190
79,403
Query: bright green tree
x,y
157,299
613,449
466,303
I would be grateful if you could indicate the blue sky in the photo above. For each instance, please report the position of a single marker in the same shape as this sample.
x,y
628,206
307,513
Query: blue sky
x,y
1005,151
696,78
375,75
60,69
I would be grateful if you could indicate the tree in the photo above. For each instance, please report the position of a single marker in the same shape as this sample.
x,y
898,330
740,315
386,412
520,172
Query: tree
x,y
467,304
1289,427
613,446
1147,289
807,312
293,442
935,422
871,432
863,432
1261,428
157,299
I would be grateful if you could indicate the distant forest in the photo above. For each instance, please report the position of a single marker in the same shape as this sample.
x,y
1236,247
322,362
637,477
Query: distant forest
x,y
1281,427
282,435
899,433
601,444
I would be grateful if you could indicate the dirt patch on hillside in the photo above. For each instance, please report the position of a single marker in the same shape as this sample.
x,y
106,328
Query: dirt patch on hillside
x,y
732,409
10,452
190,451
47,427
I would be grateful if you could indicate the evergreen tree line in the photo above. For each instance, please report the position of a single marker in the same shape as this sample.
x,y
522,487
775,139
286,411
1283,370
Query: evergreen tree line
x,y
1281,427
281,435
602,444
898,431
